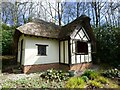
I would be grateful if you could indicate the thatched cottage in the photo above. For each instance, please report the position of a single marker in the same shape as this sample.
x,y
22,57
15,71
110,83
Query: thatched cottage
x,y
43,45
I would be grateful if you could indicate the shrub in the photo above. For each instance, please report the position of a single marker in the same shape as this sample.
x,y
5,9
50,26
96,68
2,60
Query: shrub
x,y
85,78
8,84
33,81
75,82
94,84
44,85
6,42
111,73
55,75
7,39
91,74
108,45
102,80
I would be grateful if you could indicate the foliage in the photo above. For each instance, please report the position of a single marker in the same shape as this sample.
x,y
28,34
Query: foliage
x,y
6,27
108,45
94,84
75,82
85,78
106,83
91,74
21,83
102,80
33,82
6,42
7,37
54,75
88,80
71,73
111,73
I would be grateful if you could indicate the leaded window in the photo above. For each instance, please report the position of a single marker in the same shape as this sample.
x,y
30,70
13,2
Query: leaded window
x,y
42,49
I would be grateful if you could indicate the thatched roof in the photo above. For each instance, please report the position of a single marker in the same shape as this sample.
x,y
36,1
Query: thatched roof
x,y
46,29
40,28
82,21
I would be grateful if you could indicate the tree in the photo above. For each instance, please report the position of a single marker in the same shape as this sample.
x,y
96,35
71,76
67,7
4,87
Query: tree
x,y
108,45
7,39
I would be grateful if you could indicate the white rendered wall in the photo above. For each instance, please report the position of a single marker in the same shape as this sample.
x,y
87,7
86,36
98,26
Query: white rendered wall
x,y
19,49
31,51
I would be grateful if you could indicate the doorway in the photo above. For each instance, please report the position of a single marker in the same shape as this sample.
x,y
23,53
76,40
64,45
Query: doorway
x,y
21,49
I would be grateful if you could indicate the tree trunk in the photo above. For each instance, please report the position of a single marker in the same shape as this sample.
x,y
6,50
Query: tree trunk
x,y
59,16
78,5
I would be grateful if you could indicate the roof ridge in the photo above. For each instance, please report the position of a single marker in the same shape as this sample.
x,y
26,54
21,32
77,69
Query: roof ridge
x,y
37,20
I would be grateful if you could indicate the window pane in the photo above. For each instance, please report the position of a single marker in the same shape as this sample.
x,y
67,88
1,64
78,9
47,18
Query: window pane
x,y
41,50
81,47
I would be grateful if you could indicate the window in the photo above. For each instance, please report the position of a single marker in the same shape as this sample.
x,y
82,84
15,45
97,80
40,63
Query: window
x,y
81,47
42,49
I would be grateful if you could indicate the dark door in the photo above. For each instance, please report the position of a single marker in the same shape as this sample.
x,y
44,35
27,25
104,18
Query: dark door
x,y
21,51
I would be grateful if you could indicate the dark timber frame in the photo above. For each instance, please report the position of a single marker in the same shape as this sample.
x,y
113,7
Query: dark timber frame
x,y
21,49
74,42
71,47
69,51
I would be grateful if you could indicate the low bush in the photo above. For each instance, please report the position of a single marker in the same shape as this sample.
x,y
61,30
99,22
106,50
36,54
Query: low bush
x,y
102,80
7,42
91,74
32,82
55,75
94,84
85,78
22,83
111,73
90,79
75,82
